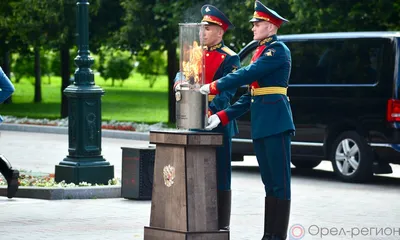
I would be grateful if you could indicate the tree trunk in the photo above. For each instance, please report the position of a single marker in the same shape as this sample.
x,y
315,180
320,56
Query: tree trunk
x,y
38,80
172,70
7,69
65,76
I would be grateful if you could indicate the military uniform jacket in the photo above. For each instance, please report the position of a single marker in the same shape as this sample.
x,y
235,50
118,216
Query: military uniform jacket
x,y
220,61
270,67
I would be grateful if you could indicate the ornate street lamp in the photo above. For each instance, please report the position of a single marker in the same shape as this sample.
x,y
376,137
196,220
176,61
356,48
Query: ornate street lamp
x,y
84,161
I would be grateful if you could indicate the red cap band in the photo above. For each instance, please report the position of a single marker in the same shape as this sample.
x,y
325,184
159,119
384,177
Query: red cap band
x,y
266,17
213,19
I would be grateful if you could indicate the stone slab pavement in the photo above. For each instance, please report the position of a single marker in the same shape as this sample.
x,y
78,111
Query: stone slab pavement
x,y
42,151
321,206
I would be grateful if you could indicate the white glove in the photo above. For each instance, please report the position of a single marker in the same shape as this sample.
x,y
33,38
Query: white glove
x,y
178,87
205,89
213,122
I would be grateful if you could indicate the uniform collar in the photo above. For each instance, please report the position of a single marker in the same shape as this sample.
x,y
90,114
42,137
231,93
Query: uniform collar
x,y
267,41
215,47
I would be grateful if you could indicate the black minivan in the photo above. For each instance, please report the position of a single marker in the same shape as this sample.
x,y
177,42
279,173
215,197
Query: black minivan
x,y
344,93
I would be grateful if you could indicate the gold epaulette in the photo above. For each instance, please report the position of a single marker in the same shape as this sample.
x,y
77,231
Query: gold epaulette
x,y
211,97
228,51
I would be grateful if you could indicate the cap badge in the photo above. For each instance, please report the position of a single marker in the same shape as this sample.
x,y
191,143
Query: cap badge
x,y
208,9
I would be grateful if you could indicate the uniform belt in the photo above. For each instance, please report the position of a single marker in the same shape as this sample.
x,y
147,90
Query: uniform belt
x,y
268,90
211,97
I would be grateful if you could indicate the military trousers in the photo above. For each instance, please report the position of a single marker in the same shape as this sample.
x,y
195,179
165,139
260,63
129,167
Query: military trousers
x,y
273,156
224,166
5,167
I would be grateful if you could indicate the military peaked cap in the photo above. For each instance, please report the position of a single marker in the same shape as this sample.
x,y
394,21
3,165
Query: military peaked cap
x,y
212,15
262,13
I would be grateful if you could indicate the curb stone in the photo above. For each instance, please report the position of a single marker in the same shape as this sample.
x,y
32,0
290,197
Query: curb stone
x,y
141,136
54,193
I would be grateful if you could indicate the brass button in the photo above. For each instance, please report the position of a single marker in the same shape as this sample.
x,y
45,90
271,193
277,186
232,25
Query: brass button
x,y
207,54
252,100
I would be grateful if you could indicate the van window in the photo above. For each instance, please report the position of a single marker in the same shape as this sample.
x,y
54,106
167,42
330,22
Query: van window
x,y
247,59
338,61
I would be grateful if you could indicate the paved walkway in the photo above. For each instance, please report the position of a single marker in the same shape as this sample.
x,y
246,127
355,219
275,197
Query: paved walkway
x,y
42,151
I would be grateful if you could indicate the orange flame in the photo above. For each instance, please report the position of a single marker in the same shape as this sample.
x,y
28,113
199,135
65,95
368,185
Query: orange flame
x,y
192,69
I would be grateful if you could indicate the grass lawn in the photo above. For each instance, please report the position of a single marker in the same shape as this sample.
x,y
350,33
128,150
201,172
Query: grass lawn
x,y
135,101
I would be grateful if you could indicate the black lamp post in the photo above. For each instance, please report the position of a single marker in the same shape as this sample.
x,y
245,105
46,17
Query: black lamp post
x,y
84,161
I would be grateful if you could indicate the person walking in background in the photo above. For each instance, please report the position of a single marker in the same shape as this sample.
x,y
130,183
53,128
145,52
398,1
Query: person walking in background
x,y
219,61
11,175
271,116
6,86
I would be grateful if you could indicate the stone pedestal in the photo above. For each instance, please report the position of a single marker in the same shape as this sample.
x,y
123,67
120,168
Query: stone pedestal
x,y
184,197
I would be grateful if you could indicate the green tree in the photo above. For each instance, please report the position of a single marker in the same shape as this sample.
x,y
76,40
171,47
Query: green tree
x,y
55,64
45,64
23,65
118,65
151,65
32,26
8,41
55,22
105,20
42,24
52,23
334,16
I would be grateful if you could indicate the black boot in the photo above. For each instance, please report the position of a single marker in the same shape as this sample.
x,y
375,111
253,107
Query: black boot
x,y
13,184
224,209
10,175
269,217
281,219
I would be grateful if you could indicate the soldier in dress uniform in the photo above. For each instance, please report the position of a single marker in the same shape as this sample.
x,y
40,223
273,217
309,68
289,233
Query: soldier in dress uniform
x,y
11,175
271,118
219,61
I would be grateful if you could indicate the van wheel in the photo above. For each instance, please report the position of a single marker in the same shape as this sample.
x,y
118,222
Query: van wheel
x,y
305,164
351,158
